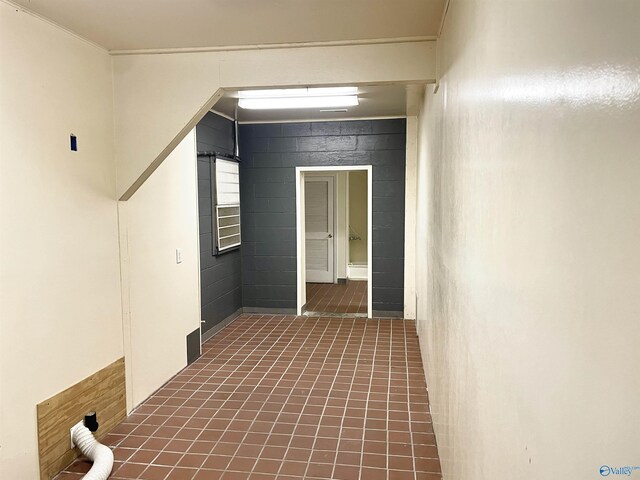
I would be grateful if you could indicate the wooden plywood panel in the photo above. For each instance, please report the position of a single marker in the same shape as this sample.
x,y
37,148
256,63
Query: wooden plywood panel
x,y
103,392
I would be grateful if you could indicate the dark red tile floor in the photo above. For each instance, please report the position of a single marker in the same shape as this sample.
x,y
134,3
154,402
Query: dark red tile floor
x,y
337,298
283,397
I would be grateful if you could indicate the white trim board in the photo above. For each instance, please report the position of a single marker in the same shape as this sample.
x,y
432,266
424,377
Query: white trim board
x,y
270,46
301,293
410,218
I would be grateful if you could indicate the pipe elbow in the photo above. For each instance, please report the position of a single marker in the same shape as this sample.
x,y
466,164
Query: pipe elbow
x,y
99,454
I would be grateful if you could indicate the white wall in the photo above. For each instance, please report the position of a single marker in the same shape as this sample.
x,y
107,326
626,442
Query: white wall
x,y
161,297
59,277
529,222
173,91
358,216
342,224
414,100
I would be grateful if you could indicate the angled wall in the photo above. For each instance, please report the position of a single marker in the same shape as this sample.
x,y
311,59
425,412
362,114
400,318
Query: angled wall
x,y
174,91
161,303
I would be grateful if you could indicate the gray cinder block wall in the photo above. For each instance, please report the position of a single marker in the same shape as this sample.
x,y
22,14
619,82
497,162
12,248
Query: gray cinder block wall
x,y
220,277
270,153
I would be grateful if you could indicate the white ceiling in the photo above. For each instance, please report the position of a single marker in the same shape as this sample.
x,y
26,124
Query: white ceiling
x,y
164,24
375,101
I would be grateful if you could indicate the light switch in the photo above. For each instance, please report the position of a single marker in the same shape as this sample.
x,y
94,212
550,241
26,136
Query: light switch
x,y
178,255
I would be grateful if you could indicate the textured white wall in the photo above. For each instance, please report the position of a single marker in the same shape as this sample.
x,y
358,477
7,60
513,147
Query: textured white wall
x,y
60,315
529,222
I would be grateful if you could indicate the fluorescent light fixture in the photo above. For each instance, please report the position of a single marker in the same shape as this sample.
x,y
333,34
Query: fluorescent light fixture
x,y
299,92
298,102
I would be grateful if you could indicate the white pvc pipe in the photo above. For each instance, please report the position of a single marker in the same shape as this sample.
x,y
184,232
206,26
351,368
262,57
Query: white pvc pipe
x,y
100,455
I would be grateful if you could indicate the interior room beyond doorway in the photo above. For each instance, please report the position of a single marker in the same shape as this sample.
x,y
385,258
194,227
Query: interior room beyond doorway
x,y
336,234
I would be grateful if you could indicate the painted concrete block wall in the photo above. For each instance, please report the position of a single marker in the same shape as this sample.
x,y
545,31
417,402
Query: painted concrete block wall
x,y
221,286
529,220
270,153
59,274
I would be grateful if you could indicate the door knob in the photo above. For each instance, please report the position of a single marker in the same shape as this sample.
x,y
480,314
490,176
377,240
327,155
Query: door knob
x,y
330,236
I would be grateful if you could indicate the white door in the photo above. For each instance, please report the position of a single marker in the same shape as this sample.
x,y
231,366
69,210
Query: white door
x,y
319,245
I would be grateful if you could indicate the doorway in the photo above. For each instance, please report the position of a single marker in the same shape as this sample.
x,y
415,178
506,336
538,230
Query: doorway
x,y
328,281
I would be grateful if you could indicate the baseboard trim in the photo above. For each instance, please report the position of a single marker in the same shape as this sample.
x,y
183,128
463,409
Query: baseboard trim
x,y
274,311
388,314
310,313
285,311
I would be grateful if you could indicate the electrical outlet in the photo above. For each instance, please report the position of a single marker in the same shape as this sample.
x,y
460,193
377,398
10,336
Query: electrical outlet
x,y
178,255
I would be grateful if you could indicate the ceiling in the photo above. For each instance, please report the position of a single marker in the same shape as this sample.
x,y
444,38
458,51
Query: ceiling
x,y
375,101
166,24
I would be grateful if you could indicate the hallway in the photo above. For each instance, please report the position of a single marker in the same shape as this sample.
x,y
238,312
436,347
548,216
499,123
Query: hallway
x,y
287,397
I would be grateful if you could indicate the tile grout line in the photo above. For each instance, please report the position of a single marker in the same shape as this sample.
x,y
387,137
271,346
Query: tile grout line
x,y
315,380
173,416
289,396
324,408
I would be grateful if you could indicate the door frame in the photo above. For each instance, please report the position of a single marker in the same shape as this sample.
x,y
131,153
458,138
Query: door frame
x,y
300,230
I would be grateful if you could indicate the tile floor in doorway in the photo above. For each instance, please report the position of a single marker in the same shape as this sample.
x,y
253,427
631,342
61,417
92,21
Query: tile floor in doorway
x,y
337,298
283,397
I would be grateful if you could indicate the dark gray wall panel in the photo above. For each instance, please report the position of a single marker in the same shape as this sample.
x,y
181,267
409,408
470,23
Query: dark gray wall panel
x,y
270,154
220,277
193,346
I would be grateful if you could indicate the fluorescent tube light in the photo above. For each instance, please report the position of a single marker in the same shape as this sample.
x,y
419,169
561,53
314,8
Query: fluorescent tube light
x,y
298,102
298,92
332,91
